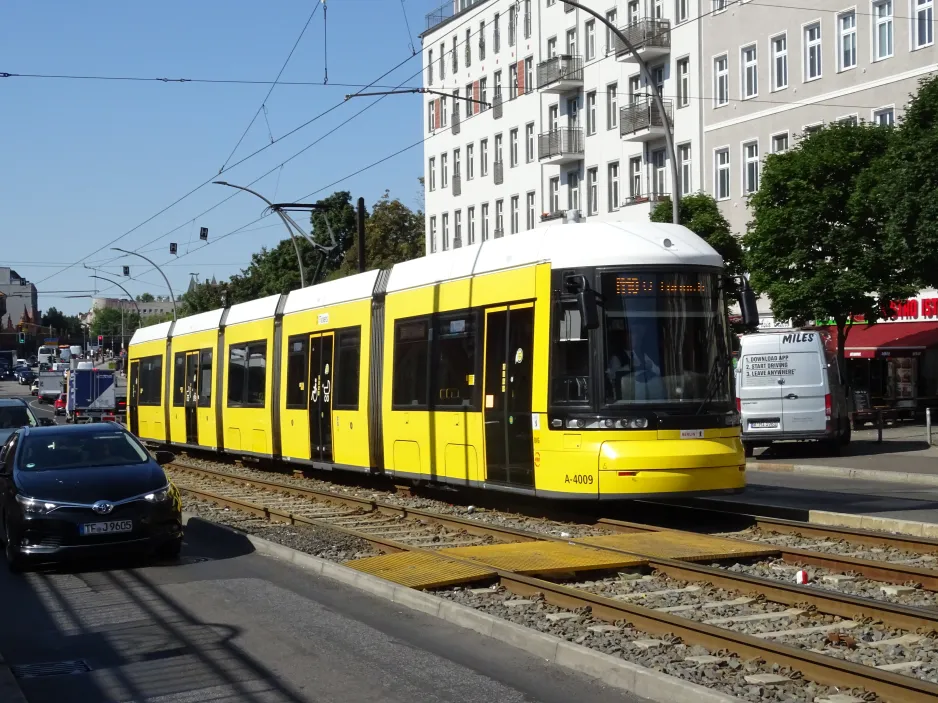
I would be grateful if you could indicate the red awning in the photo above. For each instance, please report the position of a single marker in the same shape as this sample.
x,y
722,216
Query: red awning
x,y
887,339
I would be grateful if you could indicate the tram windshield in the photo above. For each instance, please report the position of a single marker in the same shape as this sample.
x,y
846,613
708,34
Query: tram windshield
x,y
663,334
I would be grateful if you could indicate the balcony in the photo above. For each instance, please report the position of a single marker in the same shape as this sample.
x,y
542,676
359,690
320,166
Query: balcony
x,y
457,184
651,199
499,172
499,232
456,120
555,215
642,121
650,37
497,108
560,74
560,146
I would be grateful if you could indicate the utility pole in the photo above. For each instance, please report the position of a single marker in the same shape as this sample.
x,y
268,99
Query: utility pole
x,y
361,235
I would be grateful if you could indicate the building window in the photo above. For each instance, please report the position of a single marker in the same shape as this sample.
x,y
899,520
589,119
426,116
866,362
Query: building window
x,y
719,5
573,190
496,35
431,174
470,226
247,374
529,142
610,36
924,31
515,215
498,84
527,19
554,191
613,186
780,62
591,113
430,67
470,161
657,75
485,222
484,157
882,34
513,81
433,234
684,160
612,105
635,88
659,182
445,239
444,177
812,128
499,218
722,179
443,112
812,52
431,116
456,163
590,40
780,143
680,11
750,72
529,203
483,94
571,42
633,12
592,191
683,82
635,177
529,74
512,24
750,168
442,63
482,40
411,363
457,229
884,117
455,55
513,147
498,149
721,81
468,48
847,39
551,47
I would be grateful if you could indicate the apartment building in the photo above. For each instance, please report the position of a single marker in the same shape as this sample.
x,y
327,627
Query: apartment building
x,y
541,113
773,73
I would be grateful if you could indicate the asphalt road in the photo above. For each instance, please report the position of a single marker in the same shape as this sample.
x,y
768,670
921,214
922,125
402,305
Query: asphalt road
x,y
225,624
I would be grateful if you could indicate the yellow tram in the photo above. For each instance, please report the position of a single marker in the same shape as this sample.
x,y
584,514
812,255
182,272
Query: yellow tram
x,y
580,361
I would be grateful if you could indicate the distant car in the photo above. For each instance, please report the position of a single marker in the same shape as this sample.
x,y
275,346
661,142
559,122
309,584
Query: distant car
x,y
33,359
25,376
60,404
44,366
34,389
80,489
6,373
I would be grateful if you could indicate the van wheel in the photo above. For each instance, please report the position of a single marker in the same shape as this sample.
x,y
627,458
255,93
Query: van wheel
x,y
750,450
845,437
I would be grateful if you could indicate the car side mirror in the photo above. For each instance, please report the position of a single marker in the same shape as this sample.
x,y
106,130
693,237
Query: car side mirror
x,y
589,310
46,421
163,457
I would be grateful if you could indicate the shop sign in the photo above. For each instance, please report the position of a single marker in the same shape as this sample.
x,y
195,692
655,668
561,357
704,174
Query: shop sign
x,y
922,307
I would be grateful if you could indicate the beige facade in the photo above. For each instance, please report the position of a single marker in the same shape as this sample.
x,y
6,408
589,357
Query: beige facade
x,y
770,73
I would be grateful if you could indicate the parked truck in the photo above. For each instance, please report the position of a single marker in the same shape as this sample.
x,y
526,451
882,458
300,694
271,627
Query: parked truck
x,y
51,386
95,395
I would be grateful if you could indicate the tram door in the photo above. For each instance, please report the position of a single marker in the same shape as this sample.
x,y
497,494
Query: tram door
x,y
509,352
192,398
133,396
320,397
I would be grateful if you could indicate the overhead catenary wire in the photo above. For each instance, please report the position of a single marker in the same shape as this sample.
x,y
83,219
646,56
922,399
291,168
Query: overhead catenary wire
x,y
410,41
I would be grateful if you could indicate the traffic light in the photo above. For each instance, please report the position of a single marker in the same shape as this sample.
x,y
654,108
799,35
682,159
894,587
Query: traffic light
x,y
100,339
203,234
172,248
22,337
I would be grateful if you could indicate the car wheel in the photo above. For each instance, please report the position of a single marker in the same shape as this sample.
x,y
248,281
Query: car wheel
x,y
750,450
170,550
13,555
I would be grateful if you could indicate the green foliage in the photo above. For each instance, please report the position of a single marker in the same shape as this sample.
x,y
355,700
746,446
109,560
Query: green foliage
x,y
812,244
107,321
343,221
64,325
202,298
701,214
393,233
145,298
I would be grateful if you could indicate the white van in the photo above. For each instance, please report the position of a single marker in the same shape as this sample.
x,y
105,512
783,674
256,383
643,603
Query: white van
x,y
788,386
47,355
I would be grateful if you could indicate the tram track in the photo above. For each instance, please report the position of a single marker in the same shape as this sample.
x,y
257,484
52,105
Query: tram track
x,y
725,619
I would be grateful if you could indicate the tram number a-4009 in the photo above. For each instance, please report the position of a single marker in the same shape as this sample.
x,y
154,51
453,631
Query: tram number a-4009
x,y
583,479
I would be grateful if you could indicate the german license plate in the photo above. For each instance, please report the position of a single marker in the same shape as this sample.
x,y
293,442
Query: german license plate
x,y
763,425
692,434
106,528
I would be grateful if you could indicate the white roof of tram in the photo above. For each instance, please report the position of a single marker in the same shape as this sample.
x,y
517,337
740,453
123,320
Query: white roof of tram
x,y
563,246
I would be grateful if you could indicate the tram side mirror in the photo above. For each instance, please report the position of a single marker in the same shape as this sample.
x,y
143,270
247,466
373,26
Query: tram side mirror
x,y
589,309
747,304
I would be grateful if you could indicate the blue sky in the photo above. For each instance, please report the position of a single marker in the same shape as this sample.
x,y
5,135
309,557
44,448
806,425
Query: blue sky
x,y
85,161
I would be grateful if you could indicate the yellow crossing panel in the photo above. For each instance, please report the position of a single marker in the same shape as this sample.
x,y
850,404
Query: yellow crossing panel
x,y
685,546
543,557
420,569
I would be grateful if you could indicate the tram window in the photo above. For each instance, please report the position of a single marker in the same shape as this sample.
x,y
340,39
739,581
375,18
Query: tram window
x,y
205,378
347,369
179,379
247,374
455,367
570,363
411,352
150,384
297,367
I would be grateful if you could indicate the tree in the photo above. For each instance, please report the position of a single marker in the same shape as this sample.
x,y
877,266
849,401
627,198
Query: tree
x,y
393,233
108,322
145,298
202,298
904,188
65,325
701,215
339,211
812,244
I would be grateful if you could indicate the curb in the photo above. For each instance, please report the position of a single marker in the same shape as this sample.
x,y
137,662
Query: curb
x,y
10,691
619,673
845,472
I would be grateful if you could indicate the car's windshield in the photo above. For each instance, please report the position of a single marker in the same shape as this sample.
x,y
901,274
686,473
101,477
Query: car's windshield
x,y
16,416
71,450
663,334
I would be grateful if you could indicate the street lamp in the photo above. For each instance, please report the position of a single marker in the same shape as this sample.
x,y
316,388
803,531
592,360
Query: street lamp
x,y
659,103
137,307
152,263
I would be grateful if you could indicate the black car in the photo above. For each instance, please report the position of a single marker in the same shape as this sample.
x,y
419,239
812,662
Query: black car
x,y
15,413
84,489
25,376
6,372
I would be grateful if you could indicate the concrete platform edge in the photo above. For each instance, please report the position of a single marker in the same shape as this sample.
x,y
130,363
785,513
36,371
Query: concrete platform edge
x,y
845,472
10,691
619,673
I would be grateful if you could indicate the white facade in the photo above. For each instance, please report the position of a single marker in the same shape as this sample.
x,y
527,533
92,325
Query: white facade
x,y
559,144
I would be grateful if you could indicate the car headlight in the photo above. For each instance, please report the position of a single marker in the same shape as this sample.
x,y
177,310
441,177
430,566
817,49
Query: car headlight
x,y
34,506
160,496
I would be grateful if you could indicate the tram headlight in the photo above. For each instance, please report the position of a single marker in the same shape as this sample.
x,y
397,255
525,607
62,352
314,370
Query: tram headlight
x,y
575,423
638,423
